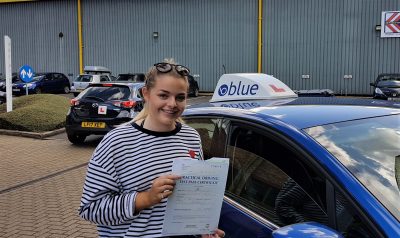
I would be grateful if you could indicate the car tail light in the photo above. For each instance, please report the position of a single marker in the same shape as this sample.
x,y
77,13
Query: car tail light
x,y
125,104
74,102
107,85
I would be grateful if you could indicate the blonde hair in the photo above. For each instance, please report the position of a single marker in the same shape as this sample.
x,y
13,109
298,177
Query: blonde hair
x,y
150,82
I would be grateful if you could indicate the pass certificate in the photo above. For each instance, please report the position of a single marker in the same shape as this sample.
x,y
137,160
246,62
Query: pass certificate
x,y
195,205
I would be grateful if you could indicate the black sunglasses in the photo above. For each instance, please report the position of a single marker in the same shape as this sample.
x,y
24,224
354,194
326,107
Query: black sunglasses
x,y
166,67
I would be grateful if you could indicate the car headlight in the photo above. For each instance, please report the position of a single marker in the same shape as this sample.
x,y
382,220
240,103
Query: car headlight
x,y
29,85
378,91
2,84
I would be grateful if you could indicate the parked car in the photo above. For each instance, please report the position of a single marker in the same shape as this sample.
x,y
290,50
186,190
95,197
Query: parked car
x,y
387,86
102,107
83,80
3,82
3,97
102,74
315,93
131,77
49,82
302,166
193,87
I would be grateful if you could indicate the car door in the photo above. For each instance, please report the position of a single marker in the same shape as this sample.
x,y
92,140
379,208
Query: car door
x,y
272,183
58,83
48,83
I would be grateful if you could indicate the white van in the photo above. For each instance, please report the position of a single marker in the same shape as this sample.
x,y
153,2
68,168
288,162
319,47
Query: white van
x,y
93,74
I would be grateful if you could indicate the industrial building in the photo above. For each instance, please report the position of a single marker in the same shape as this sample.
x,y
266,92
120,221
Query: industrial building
x,y
308,44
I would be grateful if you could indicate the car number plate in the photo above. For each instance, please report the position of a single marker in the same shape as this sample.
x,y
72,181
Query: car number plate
x,y
93,124
16,89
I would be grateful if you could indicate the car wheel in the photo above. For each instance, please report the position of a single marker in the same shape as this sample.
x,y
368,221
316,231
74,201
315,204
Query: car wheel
x,y
66,90
38,90
76,139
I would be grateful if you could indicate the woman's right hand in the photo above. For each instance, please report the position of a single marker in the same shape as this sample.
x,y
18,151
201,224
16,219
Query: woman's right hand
x,y
161,188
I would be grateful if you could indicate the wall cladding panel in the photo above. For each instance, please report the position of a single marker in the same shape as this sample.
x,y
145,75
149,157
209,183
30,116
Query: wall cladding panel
x,y
34,29
327,40
210,37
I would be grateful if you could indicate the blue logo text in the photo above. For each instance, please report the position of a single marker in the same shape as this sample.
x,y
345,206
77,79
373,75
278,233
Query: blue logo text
x,y
239,89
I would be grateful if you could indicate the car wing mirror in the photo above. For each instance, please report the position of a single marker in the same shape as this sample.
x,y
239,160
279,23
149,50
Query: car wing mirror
x,y
306,230
372,84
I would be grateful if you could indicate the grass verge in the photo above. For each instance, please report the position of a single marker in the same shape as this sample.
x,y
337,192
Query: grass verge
x,y
35,113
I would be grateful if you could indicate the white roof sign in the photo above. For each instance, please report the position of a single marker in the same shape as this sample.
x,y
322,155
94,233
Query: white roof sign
x,y
250,86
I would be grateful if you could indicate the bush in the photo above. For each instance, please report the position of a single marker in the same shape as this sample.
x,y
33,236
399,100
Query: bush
x,y
35,113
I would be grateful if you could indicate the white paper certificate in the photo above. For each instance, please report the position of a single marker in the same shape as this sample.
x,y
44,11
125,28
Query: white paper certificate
x,y
195,205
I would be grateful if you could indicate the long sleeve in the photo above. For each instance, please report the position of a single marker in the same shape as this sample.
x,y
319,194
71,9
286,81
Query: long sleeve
x,y
101,201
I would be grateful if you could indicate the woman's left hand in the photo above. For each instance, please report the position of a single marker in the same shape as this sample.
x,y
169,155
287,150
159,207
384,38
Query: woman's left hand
x,y
217,234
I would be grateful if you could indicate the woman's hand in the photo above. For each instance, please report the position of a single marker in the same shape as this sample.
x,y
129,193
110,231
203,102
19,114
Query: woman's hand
x,y
161,188
217,234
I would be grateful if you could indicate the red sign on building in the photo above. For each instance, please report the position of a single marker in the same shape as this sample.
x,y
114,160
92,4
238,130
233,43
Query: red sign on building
x,y
390,24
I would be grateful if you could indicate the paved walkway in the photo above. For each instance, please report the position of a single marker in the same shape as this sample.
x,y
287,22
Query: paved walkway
x,y
40,187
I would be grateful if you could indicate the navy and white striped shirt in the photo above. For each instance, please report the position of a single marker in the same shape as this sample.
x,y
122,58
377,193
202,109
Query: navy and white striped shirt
x,y
126,162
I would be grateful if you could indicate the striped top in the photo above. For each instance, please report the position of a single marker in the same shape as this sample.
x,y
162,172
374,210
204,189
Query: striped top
x,y
126,162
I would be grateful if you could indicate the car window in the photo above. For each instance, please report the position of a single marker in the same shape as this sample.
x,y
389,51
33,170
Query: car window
x,y
213,135
257,182
104,79
83,78
368,148
107,93
348,222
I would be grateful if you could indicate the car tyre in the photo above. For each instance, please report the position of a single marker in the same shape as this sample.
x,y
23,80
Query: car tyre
x,y
66,90
76,94
76,139
38,90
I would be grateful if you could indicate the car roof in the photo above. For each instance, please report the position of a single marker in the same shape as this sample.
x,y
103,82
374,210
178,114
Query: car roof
x,y
302,112
264,97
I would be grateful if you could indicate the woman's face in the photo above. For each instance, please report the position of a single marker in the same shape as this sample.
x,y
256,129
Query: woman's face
x,y
165,101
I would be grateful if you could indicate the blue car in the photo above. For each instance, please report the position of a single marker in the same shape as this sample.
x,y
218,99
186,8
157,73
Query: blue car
x,y
43,83
302,167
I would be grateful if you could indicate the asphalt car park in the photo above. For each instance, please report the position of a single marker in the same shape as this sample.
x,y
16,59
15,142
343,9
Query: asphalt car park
x,y
302,167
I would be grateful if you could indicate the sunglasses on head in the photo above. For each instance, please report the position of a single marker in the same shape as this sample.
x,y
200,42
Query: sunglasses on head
x,y
166,67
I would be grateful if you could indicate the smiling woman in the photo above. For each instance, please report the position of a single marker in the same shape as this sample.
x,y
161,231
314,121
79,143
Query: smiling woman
x,y
129,176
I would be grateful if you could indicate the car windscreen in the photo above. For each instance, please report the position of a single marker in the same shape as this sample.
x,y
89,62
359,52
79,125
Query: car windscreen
x,y
131,77
107,93
37,78
83,78
370,150
389,81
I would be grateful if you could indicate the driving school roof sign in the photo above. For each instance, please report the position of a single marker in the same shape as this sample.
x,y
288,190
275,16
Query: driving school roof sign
x,y
250,86
390,24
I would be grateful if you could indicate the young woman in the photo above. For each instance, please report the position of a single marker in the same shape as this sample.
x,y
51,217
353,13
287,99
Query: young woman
x,y
129,175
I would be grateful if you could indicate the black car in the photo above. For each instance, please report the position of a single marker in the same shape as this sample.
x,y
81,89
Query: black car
x,y
131,77
102,107
49,82
193,87
387,86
